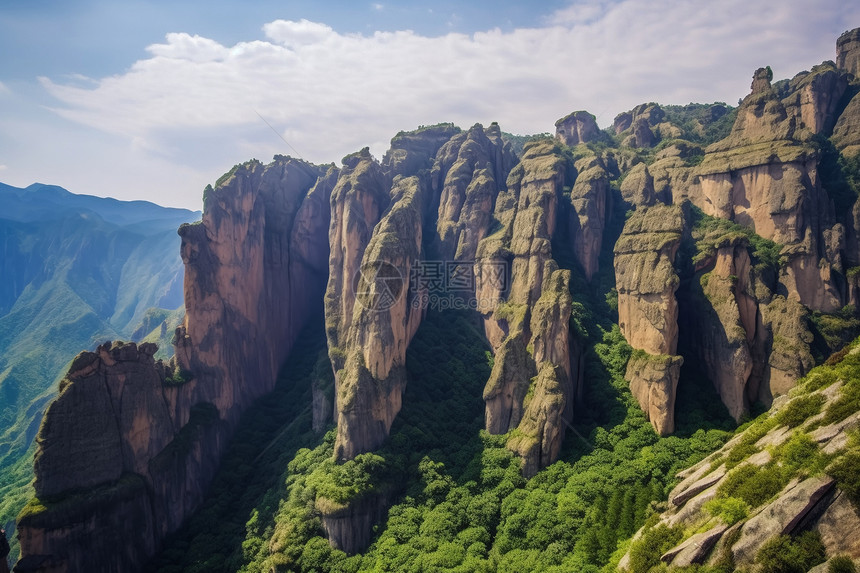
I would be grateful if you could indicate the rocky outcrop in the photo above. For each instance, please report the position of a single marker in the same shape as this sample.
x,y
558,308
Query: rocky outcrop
x,y
578,127
846,133
530,387
129,447
254,268
644,126
647,309
467,175
119,463
412,151
765,178
590,201
804,500
848,52
814,98
384,320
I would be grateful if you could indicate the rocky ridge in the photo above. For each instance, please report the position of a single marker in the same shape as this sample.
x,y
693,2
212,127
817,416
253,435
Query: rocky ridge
x,y
785,474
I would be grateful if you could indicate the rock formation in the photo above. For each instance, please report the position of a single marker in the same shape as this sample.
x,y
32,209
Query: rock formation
x,y
144,439
801,502
590,200
529,330
128,449
121,430
647,309
766,179
384,320
848,52
578,127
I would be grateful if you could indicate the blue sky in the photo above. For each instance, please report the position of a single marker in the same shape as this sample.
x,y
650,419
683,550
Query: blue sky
x,y
155,99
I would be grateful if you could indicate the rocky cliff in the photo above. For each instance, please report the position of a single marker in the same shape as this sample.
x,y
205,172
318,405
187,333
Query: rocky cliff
x,y
648,310
732,249
129,447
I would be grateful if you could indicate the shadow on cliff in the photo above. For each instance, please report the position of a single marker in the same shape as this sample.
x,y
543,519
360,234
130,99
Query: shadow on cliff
x,y
268,437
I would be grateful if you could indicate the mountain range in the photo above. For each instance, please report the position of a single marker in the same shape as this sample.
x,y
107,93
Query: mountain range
x,y
598,350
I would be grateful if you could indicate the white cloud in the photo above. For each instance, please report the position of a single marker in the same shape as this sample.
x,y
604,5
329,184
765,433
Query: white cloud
x,y
4,167
4,89
377,6
329,93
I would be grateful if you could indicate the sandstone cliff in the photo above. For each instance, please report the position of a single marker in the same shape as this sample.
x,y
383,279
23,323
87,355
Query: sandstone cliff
x,y
848,52
117,465
578,127
763,176
647,309
530,389
142,439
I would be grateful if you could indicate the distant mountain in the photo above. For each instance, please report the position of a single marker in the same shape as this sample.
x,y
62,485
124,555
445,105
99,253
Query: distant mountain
x,y
75,270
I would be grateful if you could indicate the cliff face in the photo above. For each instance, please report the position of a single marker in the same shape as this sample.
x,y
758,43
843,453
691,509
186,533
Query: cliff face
x,y
578,127
115,431
254,270
848,51
531,388
647,308
143,438
449,216
765,176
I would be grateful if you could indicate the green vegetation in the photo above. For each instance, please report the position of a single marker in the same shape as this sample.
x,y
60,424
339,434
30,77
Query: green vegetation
x,y
179,378
785,554
711,233
730,509
702,123
841,564
645,553
752,484
846,471
799,410
458,500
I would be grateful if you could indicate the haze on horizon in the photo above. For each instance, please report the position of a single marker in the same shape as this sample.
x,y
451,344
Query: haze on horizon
x,y
153,99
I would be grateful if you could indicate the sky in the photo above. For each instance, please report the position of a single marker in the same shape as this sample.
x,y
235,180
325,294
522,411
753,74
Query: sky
x,y
155,99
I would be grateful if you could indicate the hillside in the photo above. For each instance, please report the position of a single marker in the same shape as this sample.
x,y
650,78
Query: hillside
x,y
75,270
492,353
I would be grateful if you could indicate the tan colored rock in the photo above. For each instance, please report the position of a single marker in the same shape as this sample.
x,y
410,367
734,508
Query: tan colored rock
x,y
726,322
815,97
411,151
686,491
547,408
357,203
848,52
780,517
695,549
654,382
578,127
531,388
590,201
846,133
467,174
839,527
638,187
646,279
384,319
